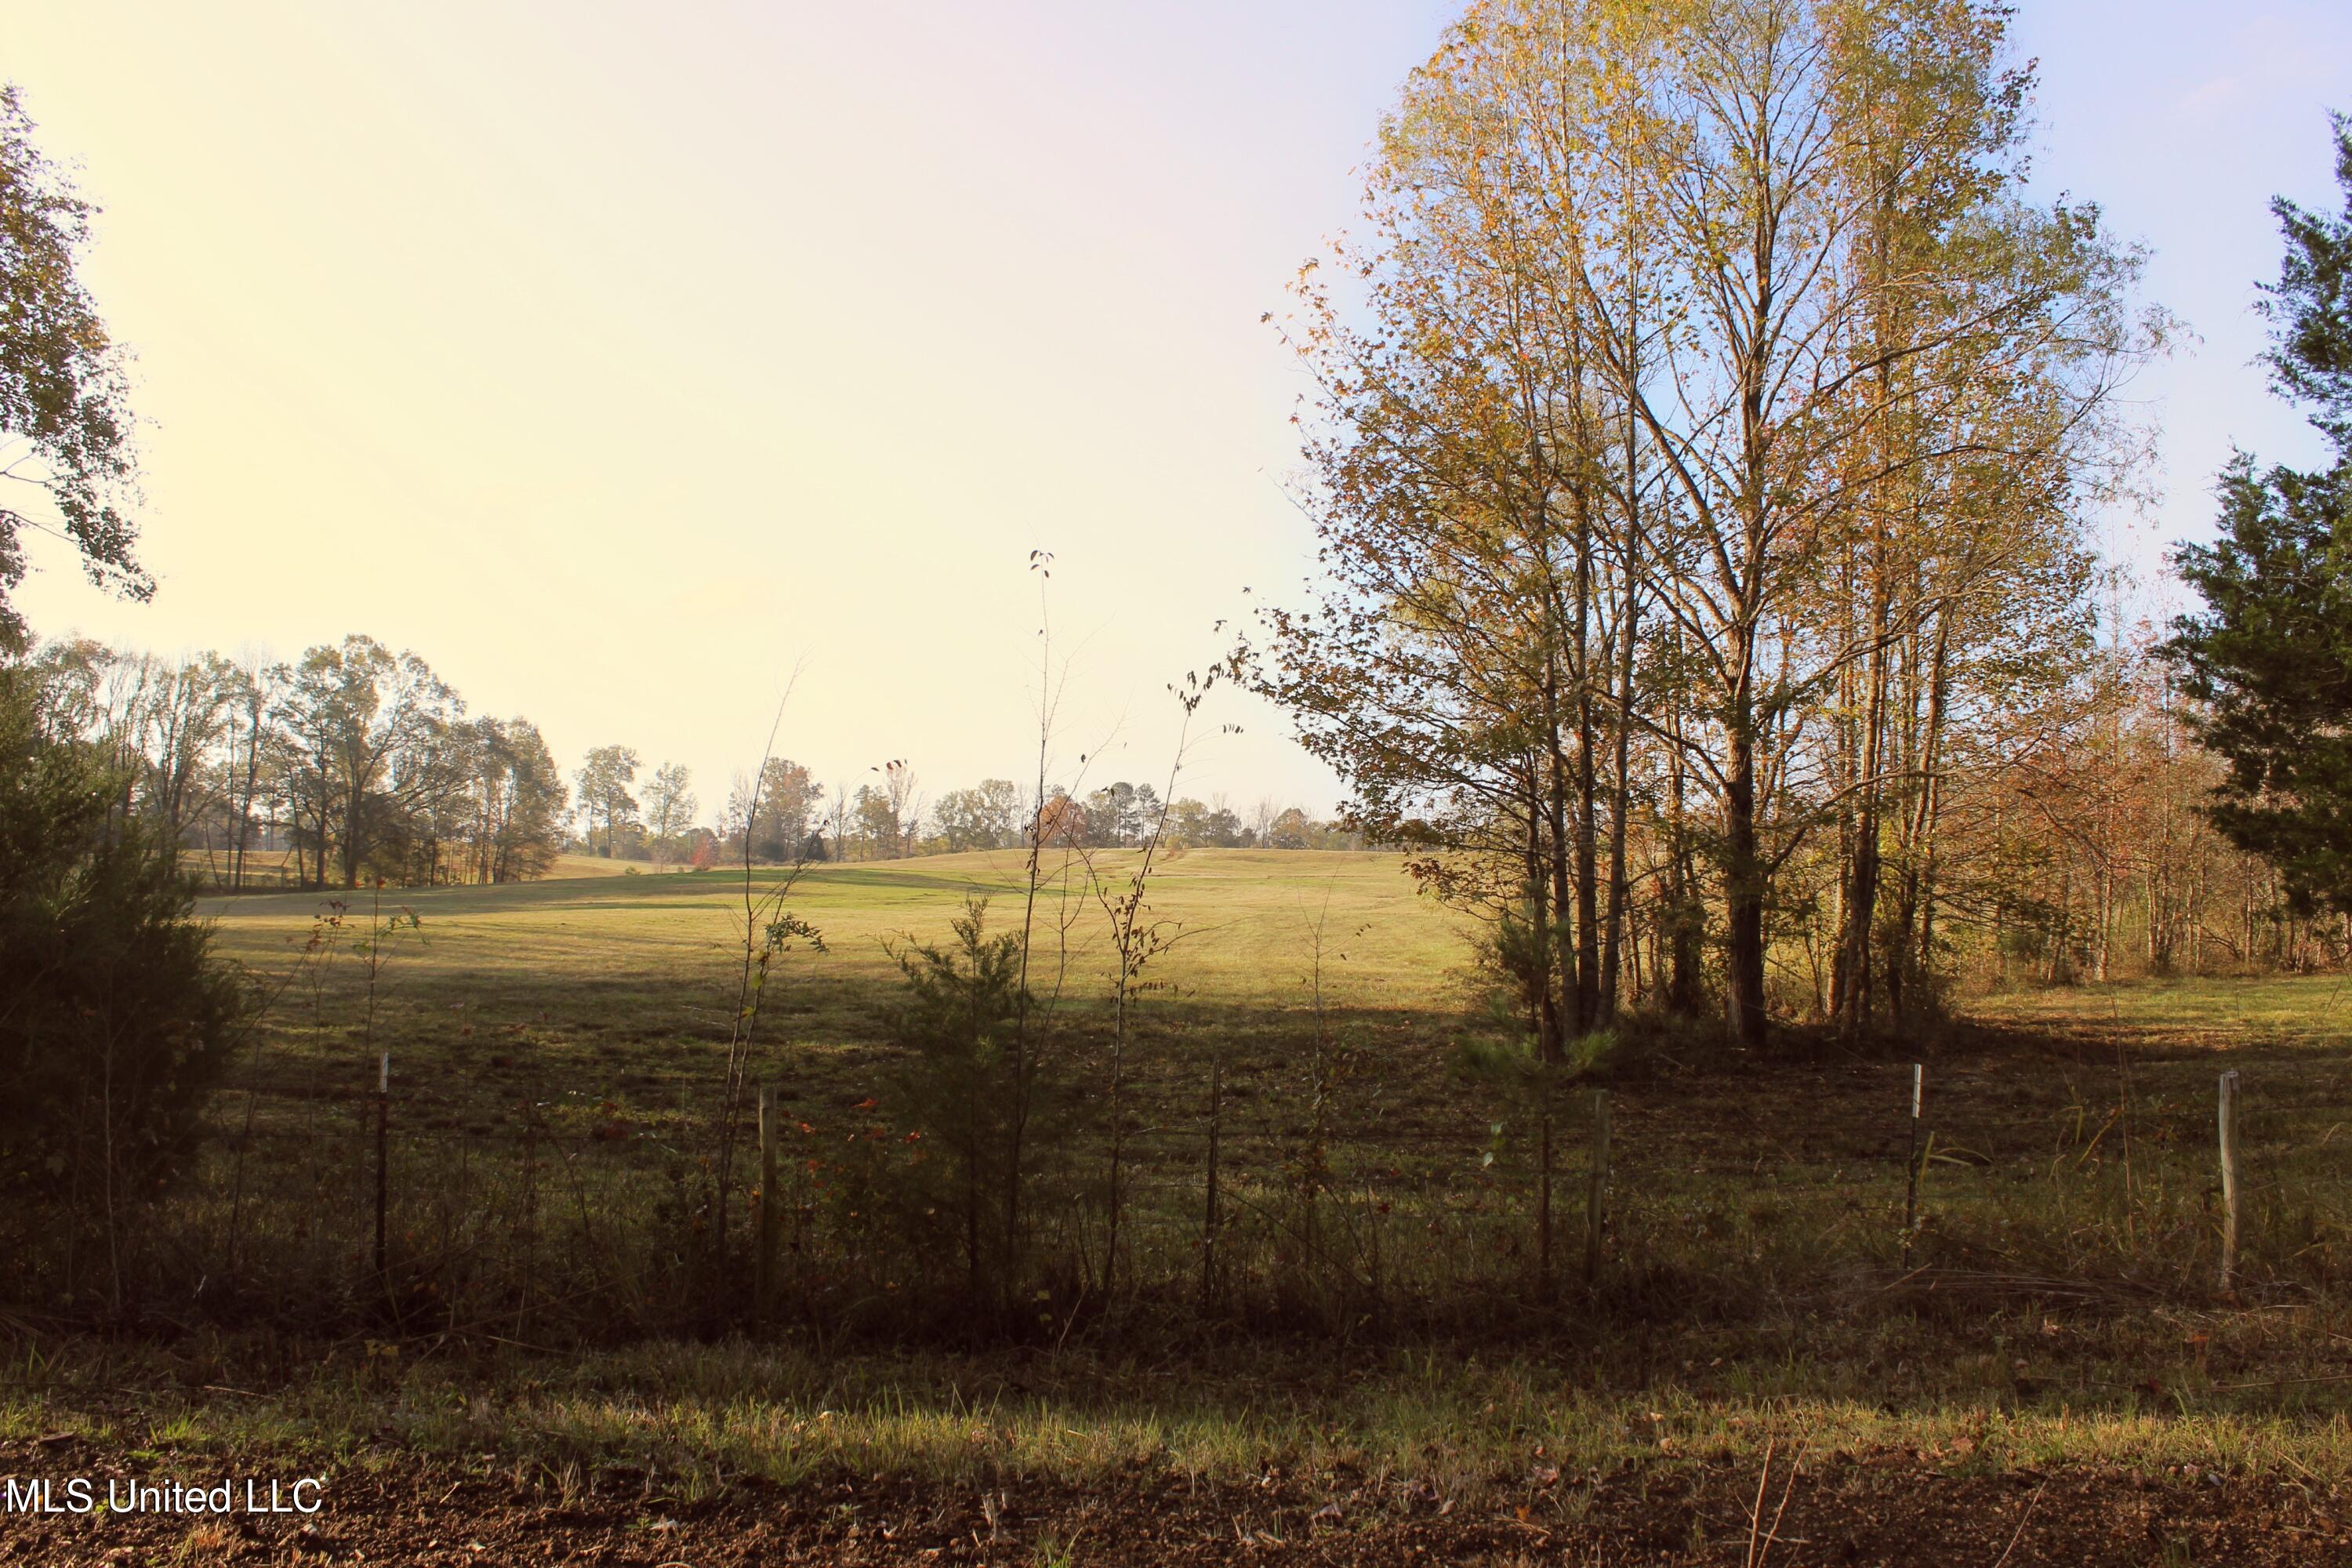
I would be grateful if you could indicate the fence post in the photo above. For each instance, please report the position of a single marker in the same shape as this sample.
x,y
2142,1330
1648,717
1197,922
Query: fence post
x,y
1209,1215
1543,1198
1911,1189
530,1209
382,1146
1596,1203
2229,1138
763,1277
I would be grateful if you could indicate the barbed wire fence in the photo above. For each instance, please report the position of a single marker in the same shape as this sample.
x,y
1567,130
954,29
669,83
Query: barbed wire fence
x,y
572,1216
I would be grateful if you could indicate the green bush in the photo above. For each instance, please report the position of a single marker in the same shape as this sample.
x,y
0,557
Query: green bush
x,y
983,1110
114,1020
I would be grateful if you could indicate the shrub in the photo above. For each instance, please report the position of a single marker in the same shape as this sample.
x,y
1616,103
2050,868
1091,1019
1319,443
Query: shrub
x,y
973,1090
114,1019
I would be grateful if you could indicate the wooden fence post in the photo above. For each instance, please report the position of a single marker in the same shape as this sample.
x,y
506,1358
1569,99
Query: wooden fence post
x,y
529,1208
1543,1198
763,1279
1911,1187
1596,1203
1209,1213
2229,1138
382,1145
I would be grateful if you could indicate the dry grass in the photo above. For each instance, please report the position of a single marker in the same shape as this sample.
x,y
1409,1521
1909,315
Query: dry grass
x,y
698,1416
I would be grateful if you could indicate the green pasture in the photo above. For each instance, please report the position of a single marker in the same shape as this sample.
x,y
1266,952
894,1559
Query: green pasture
x,y
2296,1015
1245,927
623,986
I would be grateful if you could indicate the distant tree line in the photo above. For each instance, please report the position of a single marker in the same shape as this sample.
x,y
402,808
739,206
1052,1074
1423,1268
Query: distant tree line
x,y
791,817
348,763
354,762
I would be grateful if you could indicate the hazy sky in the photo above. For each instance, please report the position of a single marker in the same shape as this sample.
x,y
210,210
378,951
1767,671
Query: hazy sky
x,y
617,359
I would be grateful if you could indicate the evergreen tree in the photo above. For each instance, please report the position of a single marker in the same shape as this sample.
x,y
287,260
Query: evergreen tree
x,y
2269,659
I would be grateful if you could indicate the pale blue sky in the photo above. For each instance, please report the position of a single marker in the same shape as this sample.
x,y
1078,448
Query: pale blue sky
x,y
616,357
2183,120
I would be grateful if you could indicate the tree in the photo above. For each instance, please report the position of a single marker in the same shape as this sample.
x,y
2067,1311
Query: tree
x,y
888,818
1060,822
1122,813
1711,380
253,693
603,783
670,808
360,726
1188,824
114,1020
1291,830
971,1094
65,414
906,804
518,799
2310,307
836,822
787,796
986,816
2269,657
875,820
1220,829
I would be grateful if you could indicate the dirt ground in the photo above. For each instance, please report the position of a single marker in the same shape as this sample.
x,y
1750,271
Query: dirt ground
x,y
1889,1509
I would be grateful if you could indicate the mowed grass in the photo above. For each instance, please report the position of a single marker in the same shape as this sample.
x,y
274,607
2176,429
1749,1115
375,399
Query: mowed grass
x,y
2299,1015
623,987
1246,919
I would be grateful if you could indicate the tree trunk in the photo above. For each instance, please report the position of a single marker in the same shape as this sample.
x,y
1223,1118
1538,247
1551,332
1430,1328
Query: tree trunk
x,y
1743,885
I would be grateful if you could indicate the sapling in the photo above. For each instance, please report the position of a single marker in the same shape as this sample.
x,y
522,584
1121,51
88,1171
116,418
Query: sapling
x,y
1137,938
770,930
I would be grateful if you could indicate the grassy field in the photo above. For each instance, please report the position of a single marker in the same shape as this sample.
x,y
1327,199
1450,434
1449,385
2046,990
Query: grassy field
x,y
602,1001
2297,1015
1388,1363
1370,1127
591,966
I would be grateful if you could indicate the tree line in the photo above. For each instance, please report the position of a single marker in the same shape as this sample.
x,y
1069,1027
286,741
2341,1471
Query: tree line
x,y
786,815
348,764
353,764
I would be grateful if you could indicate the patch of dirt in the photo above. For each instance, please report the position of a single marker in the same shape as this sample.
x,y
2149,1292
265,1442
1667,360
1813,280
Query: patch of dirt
x,y
1887,1509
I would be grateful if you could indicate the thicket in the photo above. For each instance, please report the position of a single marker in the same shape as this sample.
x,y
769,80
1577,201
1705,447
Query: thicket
x,y
115,1022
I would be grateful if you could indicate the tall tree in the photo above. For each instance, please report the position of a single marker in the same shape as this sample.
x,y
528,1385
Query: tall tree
x,y
669,809
787,800
65,413
891,817
602,785
521,802
359,724
1683,328
252,695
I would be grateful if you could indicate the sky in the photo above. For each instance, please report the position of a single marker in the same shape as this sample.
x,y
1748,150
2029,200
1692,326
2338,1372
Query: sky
x,y
635,365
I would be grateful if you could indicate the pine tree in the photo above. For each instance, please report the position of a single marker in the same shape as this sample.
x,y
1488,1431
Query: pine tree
x,y
2269,659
